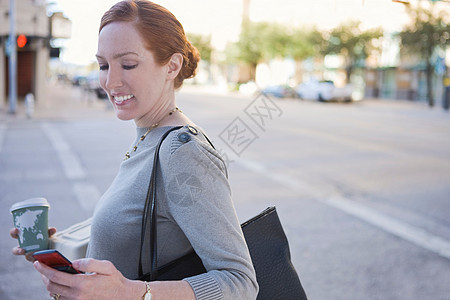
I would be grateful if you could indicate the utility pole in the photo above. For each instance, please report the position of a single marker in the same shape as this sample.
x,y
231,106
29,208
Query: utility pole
x,y
12,58
245,11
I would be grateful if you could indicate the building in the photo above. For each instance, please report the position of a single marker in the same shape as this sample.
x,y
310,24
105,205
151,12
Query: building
x,y
33,23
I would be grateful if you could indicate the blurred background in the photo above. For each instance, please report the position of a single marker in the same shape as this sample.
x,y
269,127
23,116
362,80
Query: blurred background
x,y
335,111
309,49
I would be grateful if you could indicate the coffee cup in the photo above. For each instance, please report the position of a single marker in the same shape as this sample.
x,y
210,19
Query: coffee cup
x,y
31,218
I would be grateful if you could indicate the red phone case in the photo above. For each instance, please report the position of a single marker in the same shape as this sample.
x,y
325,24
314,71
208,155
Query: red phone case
x,y
56,260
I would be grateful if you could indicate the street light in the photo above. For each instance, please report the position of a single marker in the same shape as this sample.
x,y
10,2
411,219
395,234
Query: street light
x,y
12,58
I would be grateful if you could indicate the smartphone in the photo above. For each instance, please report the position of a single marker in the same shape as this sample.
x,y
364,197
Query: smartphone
x,y
53,258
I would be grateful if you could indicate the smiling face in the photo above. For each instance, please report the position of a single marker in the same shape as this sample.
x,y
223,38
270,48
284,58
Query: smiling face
x,y
139,88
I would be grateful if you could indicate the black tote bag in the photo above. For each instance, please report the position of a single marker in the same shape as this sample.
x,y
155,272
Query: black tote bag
x,y
266,241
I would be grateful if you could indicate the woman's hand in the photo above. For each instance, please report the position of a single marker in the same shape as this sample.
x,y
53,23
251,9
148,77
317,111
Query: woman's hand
x,y
101,281
20,251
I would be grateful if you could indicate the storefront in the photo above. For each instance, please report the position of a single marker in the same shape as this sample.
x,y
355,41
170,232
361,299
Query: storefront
x,y
33,48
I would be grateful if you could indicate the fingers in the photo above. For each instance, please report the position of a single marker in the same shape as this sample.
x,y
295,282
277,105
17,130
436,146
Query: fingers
x,y
53,275
14,232
18,251
29,257
104,282
51,231
89,265
54,288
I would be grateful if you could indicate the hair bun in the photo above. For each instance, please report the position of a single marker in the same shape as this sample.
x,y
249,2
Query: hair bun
x,y
161,32
190,63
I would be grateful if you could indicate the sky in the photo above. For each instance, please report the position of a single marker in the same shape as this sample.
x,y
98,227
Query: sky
x,y
221,19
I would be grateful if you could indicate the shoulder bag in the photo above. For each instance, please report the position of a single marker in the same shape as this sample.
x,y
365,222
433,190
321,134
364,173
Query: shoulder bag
x,y
266,241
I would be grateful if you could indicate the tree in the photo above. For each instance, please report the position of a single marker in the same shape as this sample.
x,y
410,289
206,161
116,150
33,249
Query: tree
x,y
277,40
203,45
427,32
302,45
251,45
264,41
350,41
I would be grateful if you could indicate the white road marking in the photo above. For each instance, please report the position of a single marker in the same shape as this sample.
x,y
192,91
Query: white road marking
x,y
70,162
389,224
87,194
401,229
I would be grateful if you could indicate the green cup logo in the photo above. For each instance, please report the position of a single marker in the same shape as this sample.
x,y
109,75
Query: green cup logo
x,y
31,218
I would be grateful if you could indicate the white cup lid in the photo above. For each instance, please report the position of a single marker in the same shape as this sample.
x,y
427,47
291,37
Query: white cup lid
x,y
29,203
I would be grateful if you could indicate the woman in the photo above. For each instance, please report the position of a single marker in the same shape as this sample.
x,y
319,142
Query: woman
x,y
144,56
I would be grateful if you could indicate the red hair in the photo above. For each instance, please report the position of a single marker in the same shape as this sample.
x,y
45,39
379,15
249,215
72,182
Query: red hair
x,y
162,33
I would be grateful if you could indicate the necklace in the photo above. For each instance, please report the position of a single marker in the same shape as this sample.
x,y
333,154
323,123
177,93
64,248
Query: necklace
x,y
128,155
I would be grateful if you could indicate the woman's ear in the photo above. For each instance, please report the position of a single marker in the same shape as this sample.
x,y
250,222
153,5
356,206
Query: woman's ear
x,y
174,65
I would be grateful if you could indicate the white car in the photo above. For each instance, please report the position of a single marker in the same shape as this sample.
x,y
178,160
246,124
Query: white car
x,y
324,91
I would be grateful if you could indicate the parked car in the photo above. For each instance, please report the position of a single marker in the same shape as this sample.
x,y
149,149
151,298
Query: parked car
x,y
93,85
280,91
78,80
324,90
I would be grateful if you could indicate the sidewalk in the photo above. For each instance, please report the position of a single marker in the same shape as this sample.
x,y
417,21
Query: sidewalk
x,y
63,102
31,166
69,102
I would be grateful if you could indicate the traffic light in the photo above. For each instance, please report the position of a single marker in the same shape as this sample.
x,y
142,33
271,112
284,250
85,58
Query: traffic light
x,y
21,41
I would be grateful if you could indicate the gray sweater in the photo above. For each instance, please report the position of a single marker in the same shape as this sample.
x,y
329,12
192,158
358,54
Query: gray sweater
x,y
194,210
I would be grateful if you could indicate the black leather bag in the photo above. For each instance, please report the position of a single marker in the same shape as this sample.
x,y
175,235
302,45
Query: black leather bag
x,y
266,241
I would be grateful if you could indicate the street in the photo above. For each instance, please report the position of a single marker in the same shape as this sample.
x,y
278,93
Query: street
x,y
362,189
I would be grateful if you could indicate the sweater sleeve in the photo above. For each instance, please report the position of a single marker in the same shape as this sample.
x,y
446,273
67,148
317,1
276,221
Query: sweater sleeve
x,y
199,201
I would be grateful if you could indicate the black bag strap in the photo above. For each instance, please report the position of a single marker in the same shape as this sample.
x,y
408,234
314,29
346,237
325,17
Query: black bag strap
x,y
150,212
